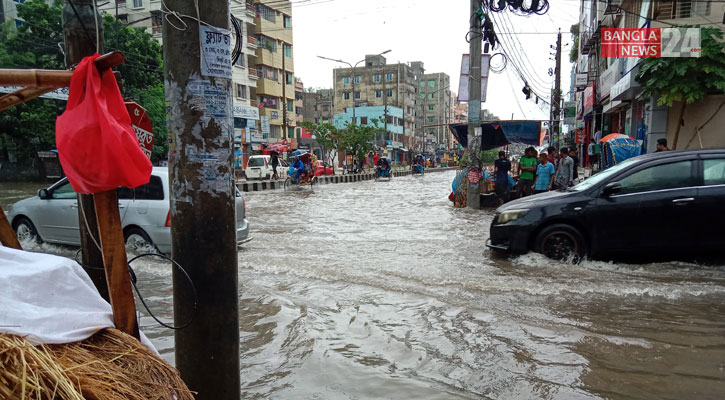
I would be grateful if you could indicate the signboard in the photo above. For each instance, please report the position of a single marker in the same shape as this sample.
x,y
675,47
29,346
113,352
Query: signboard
x,y
141,126
247,112
474,176
581,80
264,121
57,94
651,42
588,99
580,136
256,136
275,115
216,51
569,112
463,84
609,77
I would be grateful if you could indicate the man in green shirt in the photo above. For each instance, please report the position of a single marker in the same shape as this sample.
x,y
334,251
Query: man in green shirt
x,y
527,166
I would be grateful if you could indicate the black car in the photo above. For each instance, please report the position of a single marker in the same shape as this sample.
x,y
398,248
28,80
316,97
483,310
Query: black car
x,y
659,203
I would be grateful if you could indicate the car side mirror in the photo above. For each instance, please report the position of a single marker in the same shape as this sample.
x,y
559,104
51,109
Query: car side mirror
x,y
611,189
43,194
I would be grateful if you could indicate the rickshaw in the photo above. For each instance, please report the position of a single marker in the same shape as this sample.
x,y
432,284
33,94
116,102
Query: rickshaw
x,y
306,179
418,166
383,169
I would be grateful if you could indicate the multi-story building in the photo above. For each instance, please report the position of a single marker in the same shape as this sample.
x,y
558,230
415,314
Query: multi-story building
x,y
608,101
434,109
378,84
318,106
275,91
299,102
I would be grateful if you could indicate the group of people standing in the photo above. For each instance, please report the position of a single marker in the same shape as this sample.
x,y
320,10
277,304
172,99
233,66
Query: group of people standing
x,y
539,172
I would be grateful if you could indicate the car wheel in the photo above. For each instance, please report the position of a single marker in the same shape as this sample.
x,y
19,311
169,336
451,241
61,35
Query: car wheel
x,y
287,184
25,230
137,240
561,242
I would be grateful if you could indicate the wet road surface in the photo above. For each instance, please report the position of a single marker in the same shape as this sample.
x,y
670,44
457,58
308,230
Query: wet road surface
x,y
381,290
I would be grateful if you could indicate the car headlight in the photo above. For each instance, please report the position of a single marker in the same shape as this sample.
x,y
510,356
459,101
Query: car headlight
x,y
511,215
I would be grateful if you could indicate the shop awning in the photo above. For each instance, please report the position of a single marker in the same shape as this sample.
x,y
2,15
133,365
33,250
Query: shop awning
x,y
500,133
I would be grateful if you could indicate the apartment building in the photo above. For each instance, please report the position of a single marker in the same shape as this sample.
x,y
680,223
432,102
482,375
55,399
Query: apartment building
x,y
318,106
434,109
273,60
607,95
379,84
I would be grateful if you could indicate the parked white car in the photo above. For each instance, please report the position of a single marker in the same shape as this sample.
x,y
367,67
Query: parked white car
x,y
52,215
260,167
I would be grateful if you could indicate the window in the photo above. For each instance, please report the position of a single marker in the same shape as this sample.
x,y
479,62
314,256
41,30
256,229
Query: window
x,y
378,93
422,95
432,83
266,12
431,107
289,79
390,93
431,120
241,91
692,8
268,73
240,60
659,177
325,108
430,95
267,42
64,191
422,83
287,50
376,78
137,3
431,131
269,102
123,18
389,77
357,78
715,172
287,22
363,120
154,190
346,80
357,94
347,95
290,106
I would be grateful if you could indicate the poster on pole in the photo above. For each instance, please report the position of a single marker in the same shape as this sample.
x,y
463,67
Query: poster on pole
x,y
141,127
463,84
264,121
216,51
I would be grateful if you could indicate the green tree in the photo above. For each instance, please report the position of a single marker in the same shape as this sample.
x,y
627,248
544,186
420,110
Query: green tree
x,y
358,139
687,80
326,136
37,43
574,52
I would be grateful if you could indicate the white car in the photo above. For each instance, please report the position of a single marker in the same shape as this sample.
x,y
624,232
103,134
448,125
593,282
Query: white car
x,y
260,167
52,215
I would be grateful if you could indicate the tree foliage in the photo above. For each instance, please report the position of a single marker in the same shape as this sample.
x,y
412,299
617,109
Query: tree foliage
x,y
686,79
326,136
38,43
574,52
358,139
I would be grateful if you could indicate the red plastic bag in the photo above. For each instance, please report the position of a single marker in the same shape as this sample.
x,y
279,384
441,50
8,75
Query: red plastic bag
x,y
96,143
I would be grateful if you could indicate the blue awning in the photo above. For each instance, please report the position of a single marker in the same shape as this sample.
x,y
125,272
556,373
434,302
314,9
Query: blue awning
x,y
500,133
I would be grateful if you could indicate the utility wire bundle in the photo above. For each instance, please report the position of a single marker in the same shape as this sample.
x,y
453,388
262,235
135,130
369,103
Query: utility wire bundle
x,y
522,7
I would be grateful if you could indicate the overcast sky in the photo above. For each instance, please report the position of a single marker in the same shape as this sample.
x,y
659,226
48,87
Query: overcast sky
x,y
433,32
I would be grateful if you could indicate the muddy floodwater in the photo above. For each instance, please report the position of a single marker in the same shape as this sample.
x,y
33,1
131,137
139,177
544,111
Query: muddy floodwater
x,y
381,290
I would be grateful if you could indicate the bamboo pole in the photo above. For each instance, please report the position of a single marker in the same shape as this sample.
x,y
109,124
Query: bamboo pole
x,y
48,78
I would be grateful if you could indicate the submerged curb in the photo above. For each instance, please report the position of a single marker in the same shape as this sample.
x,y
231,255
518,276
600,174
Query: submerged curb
x,y
324,180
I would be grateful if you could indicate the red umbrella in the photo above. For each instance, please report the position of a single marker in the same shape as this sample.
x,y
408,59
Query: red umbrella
x,y
614,136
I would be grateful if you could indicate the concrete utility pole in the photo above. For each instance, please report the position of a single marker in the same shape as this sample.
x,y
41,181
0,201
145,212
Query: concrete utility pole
x,y
284,96
385,104
79,31
473,197
556,99
201,180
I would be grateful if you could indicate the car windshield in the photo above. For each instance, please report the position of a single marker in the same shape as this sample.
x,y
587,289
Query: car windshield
x,y
602,176
256,162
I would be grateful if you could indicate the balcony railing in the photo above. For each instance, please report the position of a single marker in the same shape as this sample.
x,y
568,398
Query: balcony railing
x,y
253,73
155,29
251,11
251,42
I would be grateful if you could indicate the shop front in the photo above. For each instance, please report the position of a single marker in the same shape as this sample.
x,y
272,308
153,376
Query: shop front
x,y
246,130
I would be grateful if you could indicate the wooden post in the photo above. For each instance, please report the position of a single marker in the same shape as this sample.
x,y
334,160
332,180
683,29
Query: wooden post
x,y
116,265
7,236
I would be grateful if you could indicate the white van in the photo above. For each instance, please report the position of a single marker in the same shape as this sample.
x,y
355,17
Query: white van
x,y
260,167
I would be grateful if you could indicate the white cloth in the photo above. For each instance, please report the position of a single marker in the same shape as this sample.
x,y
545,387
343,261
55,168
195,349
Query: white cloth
x,y
50,299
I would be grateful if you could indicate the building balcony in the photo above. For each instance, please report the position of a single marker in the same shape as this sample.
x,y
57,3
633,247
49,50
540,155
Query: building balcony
x,y
253,73
252,42
251,10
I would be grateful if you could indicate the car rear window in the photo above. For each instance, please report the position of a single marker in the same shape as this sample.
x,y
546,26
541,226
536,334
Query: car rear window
x,y
154,190
256,162
715,172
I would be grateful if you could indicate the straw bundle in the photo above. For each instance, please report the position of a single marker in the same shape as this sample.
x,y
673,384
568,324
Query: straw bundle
x,y
108,365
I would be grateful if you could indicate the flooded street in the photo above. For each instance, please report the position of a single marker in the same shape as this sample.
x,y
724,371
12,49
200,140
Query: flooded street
x,y
382,290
